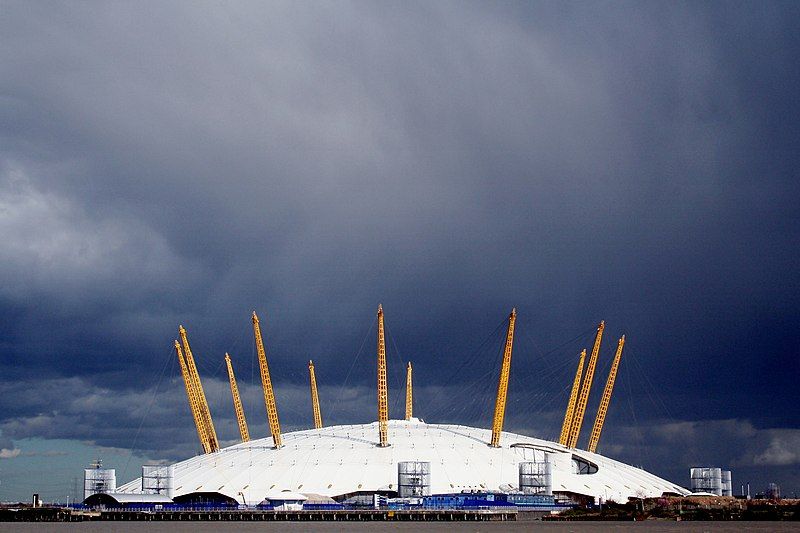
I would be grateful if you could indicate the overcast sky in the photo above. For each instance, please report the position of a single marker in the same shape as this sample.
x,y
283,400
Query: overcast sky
x,y
188,162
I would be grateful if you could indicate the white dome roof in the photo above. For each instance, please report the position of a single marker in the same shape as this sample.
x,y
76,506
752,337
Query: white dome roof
x,y
339,460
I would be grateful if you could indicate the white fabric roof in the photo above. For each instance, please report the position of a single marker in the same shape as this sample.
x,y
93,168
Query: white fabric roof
x,y
337,460
285,495
128,497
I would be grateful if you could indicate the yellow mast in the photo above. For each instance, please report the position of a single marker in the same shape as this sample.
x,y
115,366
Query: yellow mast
x,y
606,399
213,443
583,400
383,393
314,396
193,406
237,402
409,398
502,385
266,382
573,398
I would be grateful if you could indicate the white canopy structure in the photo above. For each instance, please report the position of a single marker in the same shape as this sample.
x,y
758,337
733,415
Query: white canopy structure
x,y
351,460
340,460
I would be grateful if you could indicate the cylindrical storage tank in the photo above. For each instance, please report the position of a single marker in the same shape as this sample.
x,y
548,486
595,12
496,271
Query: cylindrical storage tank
x,y
413,479
707,480
157,479
773,491
727,483
97,480
536,477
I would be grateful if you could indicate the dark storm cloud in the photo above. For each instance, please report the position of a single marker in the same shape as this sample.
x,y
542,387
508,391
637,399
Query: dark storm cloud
x,y
187,163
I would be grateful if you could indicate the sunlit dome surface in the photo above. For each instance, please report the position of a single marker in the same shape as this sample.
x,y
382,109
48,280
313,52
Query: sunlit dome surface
x,y
339,460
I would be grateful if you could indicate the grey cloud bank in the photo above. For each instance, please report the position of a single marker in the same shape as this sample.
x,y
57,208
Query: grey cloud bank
x,y
189,162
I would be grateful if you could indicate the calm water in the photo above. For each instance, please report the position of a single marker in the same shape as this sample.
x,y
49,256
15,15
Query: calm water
x,y
591,527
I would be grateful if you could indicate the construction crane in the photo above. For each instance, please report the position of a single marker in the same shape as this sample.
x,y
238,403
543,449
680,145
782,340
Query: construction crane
x,y
312,378
205,412
383,392
266,383
192,397
606,399
502,385
583,400
573,398
237,402
409,397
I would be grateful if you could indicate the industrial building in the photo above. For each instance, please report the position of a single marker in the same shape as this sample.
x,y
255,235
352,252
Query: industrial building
x,y
711,480
409,460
